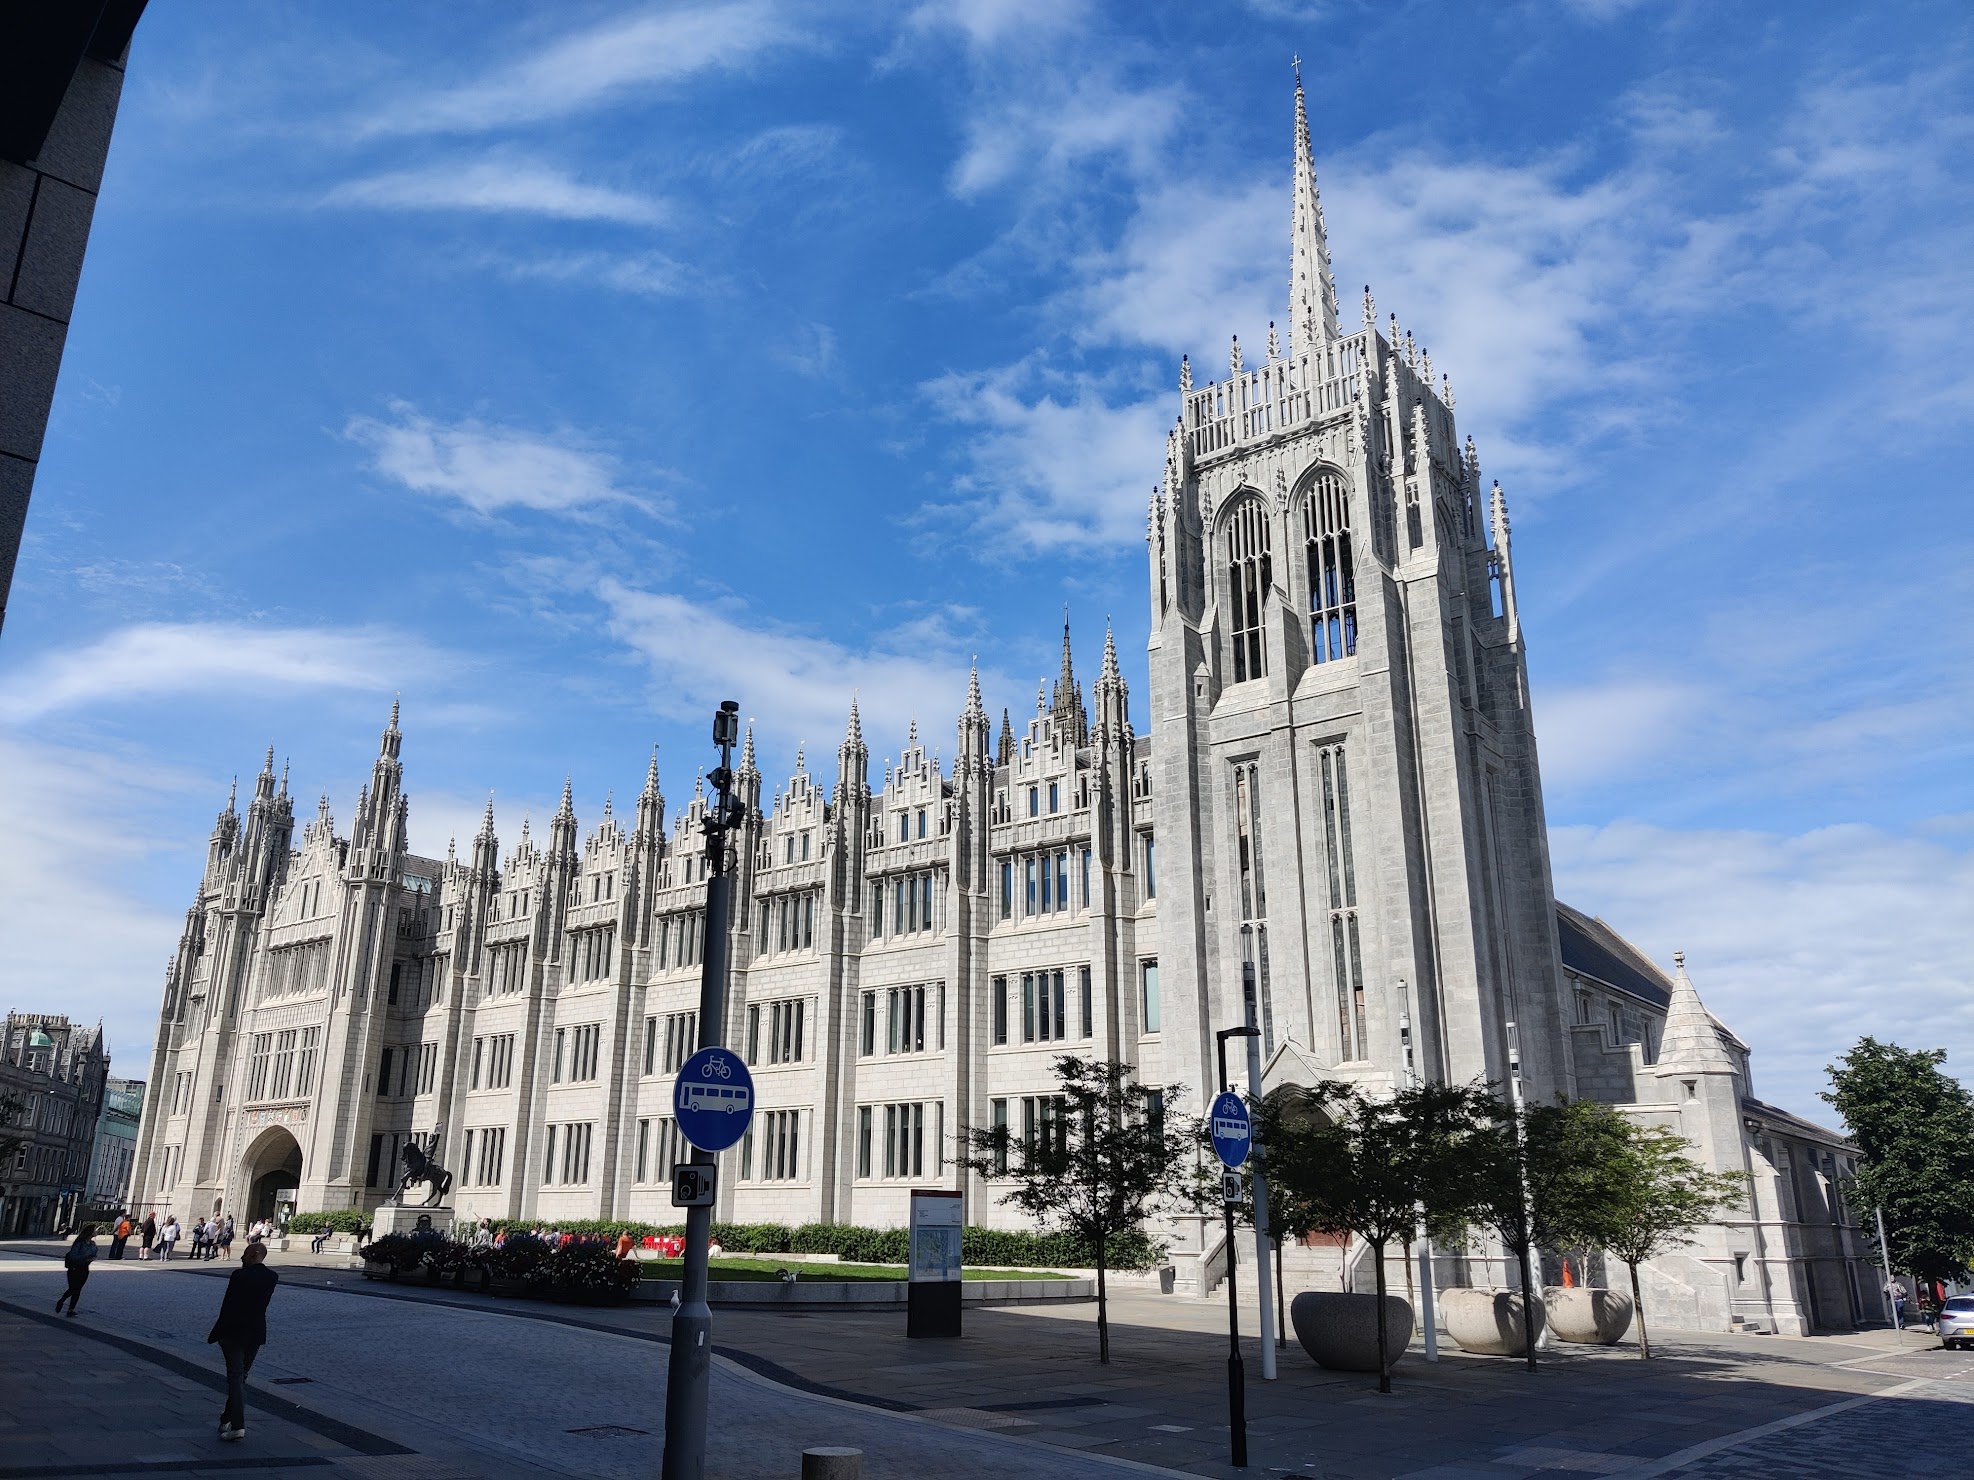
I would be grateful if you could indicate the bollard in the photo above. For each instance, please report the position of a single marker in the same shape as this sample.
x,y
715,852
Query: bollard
x,y
831,1463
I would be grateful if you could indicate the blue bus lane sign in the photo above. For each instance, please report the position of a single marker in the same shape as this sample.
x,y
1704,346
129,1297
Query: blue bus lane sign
x,y
713,1099
1233,1132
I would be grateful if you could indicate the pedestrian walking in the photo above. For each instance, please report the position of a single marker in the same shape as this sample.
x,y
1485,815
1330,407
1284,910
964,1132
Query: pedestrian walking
x,y
1895,1292
241,1331
150,1232
167,1237
81,1254
226,1237
212,1237
120,1237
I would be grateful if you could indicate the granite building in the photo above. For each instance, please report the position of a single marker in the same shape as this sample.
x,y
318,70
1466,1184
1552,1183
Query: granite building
x,y
1340,785
52,1074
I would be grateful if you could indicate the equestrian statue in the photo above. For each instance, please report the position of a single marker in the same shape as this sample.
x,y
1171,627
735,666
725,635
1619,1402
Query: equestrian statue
x,y
421,1165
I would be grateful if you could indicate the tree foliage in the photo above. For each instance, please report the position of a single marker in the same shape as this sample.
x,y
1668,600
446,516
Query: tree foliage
x,y
1345,1163
1914,1127
1099,1167
1657,1196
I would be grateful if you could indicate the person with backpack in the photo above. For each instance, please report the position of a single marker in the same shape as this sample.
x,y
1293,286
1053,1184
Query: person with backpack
x,y
81,1254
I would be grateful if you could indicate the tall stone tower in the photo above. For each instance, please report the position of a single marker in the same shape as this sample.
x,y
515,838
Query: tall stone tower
x,y
1346,770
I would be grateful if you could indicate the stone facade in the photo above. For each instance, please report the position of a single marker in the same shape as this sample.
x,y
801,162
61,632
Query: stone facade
x,y
1341,785
53,1071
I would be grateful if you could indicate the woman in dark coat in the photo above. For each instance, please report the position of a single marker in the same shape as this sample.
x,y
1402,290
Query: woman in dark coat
x,y
241,1331
149,1229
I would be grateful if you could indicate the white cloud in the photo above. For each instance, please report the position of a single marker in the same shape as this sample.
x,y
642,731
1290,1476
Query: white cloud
x,y
490,468
499,185
631,55
1600,731
156,658
82,829
1054,463
1801,944
799,684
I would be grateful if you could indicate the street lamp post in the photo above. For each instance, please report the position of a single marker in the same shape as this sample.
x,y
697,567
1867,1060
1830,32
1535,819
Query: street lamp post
x,y
1263,1273
689,1377
1236,1368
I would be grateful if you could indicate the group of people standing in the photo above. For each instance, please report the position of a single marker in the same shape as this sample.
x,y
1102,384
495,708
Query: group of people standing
x,y
212,1238
241,1329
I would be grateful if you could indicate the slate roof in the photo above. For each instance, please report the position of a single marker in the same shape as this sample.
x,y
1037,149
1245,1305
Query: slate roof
x,y
1592,948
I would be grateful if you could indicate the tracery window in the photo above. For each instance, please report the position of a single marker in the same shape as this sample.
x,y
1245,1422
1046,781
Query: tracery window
x,y
1352,1030
1332,574
1250,571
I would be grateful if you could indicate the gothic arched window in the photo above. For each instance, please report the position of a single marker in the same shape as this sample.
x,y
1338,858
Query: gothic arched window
x,y
1332,574
1250,572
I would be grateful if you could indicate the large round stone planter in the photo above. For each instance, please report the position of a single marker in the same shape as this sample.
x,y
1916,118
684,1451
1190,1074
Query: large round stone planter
x,y
1586,1314
1487,1322
1340,1331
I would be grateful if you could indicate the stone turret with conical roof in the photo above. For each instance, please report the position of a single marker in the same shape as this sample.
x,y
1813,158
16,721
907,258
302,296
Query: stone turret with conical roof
x,y
1702,1074
1067,716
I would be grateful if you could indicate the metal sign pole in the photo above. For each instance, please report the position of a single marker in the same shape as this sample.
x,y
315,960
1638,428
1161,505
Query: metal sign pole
x,y
1263,1275
689,1377
1236,1369
1885,1254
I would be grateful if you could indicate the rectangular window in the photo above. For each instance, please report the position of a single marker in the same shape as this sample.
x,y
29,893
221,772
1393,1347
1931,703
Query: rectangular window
x,y
384,1073
876,911
1048,884
863,1140
925,902
1007,887
1151,868
371,1167
1028,867
1062,881
1028,1007
904,827
397,970
651,1045
257,1071
428,1068
1055,798
548,1154
870,1024
1001,1138
479,1062
779,1134
681,1038
754,1034
921,822
405,1060
561,1051
1034,801
1148,994
1000,1009
1086,879
643,1149
1089,1007
305,1064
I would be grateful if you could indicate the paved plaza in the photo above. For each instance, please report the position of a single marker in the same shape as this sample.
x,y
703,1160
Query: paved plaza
x,y
362,1379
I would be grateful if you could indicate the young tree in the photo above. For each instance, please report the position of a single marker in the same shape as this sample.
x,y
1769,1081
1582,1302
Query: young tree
x,y
1100,1163
1658,1196
1547,1173
1914,1126
1363,1166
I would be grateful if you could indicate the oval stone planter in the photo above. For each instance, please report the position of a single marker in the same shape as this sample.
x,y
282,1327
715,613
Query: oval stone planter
x,y
1340,1331
1487,1322
1587,1314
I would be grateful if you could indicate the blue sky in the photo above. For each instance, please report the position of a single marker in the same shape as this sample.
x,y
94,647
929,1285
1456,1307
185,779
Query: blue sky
x,y
575,371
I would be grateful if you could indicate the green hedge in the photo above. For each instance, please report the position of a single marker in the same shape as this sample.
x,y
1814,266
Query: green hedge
x,y
989,1247
343,1220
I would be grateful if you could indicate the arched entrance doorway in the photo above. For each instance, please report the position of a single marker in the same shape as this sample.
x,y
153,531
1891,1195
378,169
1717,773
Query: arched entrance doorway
x,y
270,1171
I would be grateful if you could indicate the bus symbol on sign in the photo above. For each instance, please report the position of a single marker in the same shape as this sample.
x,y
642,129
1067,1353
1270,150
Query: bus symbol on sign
x,y
713,1099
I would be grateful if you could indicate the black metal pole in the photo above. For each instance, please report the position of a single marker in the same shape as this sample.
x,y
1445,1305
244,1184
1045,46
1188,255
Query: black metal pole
x,y
1236,1369
689,1377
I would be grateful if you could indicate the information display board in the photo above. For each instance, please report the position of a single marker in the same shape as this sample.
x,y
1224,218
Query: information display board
x,y
933,1296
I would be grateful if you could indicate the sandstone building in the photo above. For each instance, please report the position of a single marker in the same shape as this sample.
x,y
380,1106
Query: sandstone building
x,y
1340,784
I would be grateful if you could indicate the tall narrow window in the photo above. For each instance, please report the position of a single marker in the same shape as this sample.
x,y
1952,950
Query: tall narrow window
x,y
1000,1009
1250,572
1345,950
1007,887
1148,998
1332,576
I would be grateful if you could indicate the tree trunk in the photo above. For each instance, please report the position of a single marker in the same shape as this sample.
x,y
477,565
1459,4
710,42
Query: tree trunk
x,y
1638,1307
1384,1360
1103,1303
1529,1297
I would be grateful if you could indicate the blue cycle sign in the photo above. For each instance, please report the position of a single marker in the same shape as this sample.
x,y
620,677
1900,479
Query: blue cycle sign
x,y
713,1099
1233,1132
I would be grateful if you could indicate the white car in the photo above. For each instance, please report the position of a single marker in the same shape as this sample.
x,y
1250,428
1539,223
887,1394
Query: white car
x,y
1956,1322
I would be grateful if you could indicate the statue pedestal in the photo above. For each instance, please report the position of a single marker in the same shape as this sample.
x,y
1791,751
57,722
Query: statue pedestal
x,y
391,1218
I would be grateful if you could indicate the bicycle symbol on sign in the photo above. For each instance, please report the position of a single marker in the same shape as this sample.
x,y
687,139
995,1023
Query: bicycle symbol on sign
x,y
719,1068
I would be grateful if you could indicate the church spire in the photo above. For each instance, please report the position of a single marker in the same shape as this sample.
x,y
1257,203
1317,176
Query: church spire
x,y
1066,711
1005,752
1312,289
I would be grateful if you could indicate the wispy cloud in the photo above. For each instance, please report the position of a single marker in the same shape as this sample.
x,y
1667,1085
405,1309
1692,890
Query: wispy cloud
x,y
643,274
491,468
1801,943
632,54
499,185
799,682
154,659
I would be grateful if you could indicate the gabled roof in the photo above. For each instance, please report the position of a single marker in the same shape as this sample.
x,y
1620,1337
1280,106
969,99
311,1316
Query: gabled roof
x,y
1591,948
